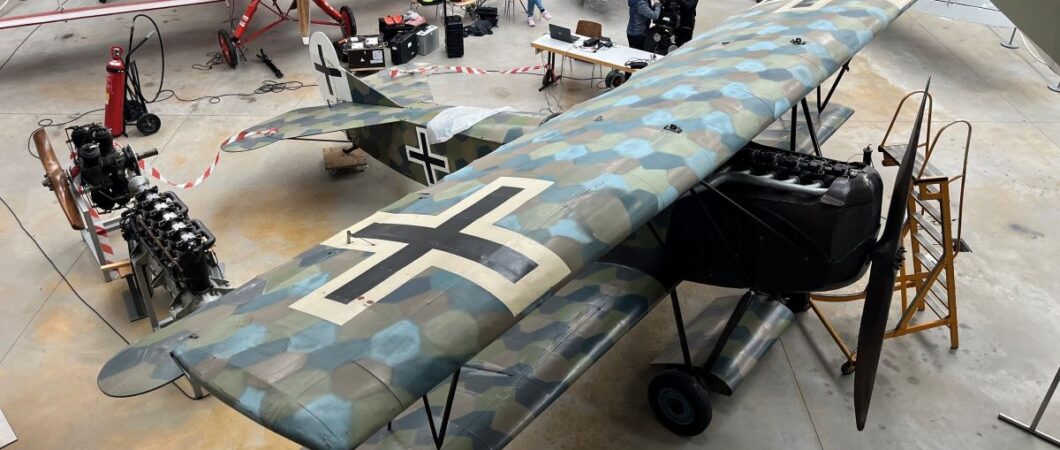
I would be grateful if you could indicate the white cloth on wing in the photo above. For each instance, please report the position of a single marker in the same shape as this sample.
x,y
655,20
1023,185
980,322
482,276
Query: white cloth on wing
x,y
452,121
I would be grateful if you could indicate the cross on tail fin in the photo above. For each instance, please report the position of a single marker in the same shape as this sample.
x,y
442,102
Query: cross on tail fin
x,y
337,84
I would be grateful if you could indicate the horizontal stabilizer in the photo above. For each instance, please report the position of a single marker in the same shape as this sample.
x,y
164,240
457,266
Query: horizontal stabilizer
x,y
322,119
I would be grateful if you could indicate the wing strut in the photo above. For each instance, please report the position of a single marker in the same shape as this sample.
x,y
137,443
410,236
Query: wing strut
x,y
439,435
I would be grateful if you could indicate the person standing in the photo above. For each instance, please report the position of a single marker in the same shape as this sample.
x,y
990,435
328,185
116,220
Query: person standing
x,y
641,13
530,11
687,10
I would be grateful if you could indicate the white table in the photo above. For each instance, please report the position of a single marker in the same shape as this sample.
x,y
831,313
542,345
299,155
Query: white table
x,y
614,57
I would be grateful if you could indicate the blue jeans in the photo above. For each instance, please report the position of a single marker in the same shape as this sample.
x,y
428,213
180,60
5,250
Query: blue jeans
x,y
530,7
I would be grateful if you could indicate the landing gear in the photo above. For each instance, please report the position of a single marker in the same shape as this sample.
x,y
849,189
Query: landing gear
x,y
348,23
229,49
680,402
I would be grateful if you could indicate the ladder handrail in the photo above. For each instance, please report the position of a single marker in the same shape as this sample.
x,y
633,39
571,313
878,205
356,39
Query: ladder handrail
x,y
964,169
897,111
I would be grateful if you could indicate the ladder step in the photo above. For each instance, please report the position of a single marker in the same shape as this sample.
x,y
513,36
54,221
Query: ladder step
x,y
929,227
933,249
927,260
897,152
930,300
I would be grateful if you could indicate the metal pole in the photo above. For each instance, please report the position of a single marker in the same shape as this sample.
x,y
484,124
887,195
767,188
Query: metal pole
x,y
1033,428
1011,44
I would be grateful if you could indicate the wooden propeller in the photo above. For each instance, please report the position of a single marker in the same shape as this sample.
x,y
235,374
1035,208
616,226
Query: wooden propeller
x,y
55,179
885,262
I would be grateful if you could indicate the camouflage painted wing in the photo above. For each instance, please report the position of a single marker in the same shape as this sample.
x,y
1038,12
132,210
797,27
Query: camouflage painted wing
x,y
503,388
403,299
321,119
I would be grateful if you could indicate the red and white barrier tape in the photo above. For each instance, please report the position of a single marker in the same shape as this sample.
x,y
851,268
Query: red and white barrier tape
x,y
156,174
394,73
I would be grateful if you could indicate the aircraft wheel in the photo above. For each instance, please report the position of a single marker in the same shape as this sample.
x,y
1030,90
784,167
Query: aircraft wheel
x,y
680,402
615,78
348,23
797,303
148,124
228,48
847,368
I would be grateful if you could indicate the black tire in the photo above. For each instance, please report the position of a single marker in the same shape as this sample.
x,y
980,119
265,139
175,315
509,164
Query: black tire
x,y
615,78
348,22
680,402
229,50
797,303
847,368
148,124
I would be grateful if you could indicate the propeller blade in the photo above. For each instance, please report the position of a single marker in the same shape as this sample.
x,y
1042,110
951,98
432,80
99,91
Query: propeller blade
x,y
56,179
885,261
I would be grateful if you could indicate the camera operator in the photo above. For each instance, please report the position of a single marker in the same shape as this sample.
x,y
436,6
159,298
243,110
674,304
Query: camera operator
x,y
687,10
641,14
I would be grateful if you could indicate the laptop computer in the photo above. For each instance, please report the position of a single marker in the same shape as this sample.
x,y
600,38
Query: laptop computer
x,y
561,33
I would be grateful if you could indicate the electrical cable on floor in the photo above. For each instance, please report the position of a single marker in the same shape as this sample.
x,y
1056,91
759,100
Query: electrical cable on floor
x,y
162,94
71,286
60,272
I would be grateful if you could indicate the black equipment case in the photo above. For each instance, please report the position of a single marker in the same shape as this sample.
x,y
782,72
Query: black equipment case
x,y
454,36
365,52
487,13
403,47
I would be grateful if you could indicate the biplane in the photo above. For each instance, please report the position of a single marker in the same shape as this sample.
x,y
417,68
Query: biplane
x,y
490,291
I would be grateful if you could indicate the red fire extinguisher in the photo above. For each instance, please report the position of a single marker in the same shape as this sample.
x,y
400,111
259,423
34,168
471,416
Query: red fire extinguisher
x,y
114,114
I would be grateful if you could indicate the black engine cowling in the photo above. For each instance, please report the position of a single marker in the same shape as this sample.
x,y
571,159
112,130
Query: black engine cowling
x,y
777,221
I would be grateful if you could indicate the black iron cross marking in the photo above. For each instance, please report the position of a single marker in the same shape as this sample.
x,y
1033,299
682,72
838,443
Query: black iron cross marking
x,y
324,69
422,155
448,237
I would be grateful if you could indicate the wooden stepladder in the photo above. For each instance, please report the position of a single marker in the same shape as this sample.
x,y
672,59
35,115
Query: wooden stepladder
x,y
926,278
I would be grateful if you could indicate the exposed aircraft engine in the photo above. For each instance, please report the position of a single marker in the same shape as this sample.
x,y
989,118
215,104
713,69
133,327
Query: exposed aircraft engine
x,y
108,172
173,248
778,221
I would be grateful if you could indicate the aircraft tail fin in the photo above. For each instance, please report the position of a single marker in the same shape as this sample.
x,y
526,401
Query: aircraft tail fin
x,y
337,84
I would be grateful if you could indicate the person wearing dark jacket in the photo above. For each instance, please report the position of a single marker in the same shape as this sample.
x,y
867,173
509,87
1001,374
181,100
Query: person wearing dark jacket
x,y
687,10
641,13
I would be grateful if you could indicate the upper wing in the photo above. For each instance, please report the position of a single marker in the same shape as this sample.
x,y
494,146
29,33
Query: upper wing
x,y
395,304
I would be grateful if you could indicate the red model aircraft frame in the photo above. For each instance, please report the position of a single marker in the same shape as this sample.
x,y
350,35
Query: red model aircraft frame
x,y
87,12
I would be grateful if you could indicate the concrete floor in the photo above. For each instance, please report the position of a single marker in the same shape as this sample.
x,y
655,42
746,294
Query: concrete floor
x,y
266,206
